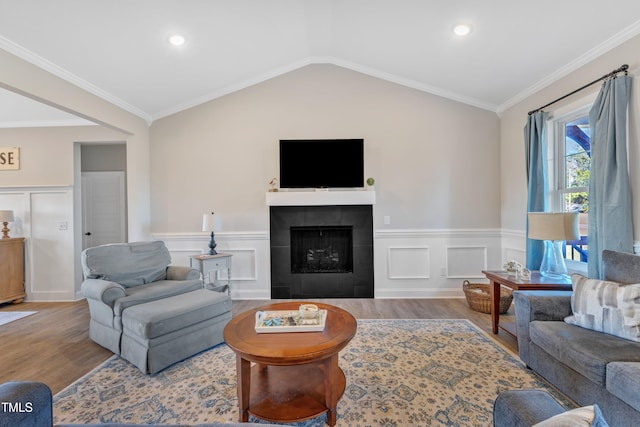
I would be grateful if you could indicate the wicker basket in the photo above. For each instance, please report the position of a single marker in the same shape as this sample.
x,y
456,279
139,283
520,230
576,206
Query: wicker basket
x,y
479,297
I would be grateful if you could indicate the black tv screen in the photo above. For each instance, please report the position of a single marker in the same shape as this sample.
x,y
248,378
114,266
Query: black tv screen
x,y
319,163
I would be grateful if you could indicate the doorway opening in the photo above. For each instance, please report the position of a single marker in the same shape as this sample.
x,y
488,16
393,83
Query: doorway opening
x,y
104,198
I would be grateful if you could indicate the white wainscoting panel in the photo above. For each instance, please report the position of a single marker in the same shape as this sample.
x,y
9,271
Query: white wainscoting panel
x,y
408,263
244,265
44,217
51,244
432,263
514,246
466,262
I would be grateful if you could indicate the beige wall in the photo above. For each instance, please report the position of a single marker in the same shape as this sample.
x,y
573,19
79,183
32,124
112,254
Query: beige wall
x,y
17,75
513,188
436,161
44,195
51,159
47,154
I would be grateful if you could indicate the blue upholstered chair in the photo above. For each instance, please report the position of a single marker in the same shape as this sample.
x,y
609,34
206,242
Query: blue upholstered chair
x,y
122,275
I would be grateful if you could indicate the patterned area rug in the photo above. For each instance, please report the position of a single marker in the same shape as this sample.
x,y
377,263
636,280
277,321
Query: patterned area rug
x,y
399,373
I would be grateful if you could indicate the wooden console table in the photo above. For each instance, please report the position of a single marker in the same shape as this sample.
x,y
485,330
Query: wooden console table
x,y
538,282
12,271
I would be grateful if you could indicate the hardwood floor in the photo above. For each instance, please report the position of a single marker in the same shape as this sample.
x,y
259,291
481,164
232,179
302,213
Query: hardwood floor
x,y
53,345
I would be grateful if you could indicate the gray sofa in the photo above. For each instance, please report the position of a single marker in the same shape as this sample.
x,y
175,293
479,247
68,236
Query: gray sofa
x,y
527,408
524,408
587,366
29,404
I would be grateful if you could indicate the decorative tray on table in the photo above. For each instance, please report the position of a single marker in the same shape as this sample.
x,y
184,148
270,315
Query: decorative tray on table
x,y
289,321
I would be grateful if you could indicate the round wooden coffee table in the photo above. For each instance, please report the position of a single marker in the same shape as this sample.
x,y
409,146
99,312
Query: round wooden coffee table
x,y
296,374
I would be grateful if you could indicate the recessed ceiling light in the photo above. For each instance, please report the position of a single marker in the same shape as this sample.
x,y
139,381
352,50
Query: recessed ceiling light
x,y
177,40
462,30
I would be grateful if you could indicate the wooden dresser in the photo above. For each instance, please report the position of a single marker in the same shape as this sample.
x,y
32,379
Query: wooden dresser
x,y
12,270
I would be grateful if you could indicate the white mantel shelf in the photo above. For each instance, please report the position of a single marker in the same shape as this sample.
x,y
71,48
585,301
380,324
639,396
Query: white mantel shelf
x,y
321,198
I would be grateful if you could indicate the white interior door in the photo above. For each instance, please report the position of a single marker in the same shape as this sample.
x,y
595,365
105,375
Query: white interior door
x,y
103,208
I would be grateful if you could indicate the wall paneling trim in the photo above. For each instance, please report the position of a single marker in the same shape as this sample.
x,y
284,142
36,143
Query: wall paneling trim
x,y
407,263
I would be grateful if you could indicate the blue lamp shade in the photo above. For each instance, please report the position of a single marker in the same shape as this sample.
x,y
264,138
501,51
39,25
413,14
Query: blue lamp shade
x,y
554,228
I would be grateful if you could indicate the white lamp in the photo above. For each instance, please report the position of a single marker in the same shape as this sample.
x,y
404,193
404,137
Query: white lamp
x,y
554,228
6,217
207,225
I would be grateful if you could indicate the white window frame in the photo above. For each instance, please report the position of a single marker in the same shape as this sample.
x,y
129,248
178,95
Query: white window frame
x,y
557,185
556,124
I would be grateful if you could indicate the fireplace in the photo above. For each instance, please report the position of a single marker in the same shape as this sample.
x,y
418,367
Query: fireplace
x,y
321,251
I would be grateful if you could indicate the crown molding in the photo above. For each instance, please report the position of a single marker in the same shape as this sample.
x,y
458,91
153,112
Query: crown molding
x,y
60,72
226,90
604,47
323,60
408,83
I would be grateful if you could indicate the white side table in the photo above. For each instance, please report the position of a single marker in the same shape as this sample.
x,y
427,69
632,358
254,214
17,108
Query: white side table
x,y
208,263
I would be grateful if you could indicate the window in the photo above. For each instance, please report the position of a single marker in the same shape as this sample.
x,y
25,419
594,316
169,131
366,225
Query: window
x,y
570,165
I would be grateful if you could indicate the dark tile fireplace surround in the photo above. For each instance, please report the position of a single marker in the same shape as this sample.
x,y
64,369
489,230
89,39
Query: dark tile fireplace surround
x,y
321,251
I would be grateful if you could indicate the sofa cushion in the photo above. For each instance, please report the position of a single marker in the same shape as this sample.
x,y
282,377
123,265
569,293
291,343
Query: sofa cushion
x,y
620,267
583,350
623,381
606,306
587,416
129,264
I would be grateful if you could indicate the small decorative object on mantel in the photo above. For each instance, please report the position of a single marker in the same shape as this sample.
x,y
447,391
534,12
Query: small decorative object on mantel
x,y
207,224
6,217
512,267
273,184
370,183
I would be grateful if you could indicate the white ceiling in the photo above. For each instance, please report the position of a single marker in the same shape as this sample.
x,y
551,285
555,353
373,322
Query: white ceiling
x,y
118,49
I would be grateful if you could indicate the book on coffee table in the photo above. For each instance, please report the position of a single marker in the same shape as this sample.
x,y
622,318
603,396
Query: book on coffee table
x,y
289,321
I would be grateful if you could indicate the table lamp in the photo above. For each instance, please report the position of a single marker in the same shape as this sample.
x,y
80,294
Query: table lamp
x,y
6,217
207,225
554,228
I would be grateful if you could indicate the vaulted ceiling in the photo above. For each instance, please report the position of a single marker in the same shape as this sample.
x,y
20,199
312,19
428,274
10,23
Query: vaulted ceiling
x,y
118,49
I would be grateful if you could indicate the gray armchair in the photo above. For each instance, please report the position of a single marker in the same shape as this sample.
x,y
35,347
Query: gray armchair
x,y
118,276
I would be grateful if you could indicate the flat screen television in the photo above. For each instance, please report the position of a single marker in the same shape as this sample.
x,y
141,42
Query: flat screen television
x,y
321,163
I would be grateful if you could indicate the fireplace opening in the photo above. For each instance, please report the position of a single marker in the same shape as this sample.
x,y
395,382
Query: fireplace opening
x,y
321,249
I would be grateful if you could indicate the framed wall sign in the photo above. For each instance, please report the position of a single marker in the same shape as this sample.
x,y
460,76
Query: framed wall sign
x,y
9,158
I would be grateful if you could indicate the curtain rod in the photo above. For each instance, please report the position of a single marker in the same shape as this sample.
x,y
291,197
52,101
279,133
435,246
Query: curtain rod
x,y
622,68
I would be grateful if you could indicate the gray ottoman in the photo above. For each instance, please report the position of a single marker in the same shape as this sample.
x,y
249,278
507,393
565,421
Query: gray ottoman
x,y
159,333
